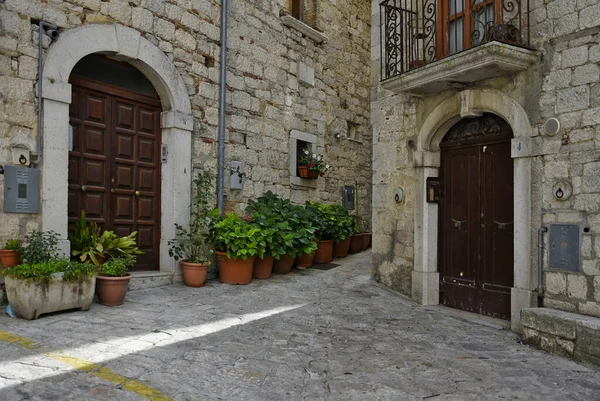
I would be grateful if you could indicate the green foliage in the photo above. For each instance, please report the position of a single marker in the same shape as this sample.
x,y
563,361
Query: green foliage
x,y
194,243
108,246
237,237
13,245
117,267
42,272
332,221
39,247
83,235
287,227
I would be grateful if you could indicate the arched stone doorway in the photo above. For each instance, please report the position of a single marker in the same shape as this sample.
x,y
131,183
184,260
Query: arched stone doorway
x,y
475,231
426,160
176,123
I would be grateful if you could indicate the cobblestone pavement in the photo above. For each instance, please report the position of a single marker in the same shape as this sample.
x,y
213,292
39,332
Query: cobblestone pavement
x,y
310,335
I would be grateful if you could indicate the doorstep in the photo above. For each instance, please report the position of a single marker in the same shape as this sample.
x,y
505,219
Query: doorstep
x,y
142,280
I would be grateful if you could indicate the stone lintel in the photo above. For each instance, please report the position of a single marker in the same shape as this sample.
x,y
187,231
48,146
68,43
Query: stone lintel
x,y
483,62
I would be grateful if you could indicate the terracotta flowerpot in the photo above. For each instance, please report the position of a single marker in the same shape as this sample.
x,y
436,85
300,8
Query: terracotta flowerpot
x,y
234,271
194,274
366,239
355,243
340,249
9,258
305,260
263,267
111,291
306,173
283,265
324,251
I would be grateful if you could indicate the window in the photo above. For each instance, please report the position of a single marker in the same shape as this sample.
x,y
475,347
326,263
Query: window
x,y
299,141
461,27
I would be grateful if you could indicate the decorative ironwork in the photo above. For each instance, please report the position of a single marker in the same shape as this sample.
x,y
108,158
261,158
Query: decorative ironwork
x,y
415,33
473,129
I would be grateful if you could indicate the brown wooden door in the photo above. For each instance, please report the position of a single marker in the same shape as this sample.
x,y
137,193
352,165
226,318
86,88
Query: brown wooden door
x,y
114,165
476,217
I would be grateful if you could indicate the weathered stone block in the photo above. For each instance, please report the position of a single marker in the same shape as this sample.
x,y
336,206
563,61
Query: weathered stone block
x,y
591,177
556,283
572,99
589,17
549,321
576,286
574,57
586,74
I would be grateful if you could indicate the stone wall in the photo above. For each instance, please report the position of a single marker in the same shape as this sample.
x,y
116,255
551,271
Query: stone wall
x,y
267,97
563,84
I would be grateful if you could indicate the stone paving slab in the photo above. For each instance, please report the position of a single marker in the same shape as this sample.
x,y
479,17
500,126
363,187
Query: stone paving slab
x,y
310,335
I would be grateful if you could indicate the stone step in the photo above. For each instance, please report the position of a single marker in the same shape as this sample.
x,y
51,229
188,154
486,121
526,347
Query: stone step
x,y
563,333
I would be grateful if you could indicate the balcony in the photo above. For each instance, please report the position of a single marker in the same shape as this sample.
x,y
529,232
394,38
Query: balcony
x,y
432,45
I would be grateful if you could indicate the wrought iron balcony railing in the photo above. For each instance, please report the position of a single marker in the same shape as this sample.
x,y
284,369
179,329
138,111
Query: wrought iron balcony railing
x,y
418,32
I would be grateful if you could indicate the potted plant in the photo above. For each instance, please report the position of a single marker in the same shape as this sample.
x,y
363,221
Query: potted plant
x,y
312,165
49,284
10,256
287,228
342,231
192,246
356,240
237,243
324,218
113,279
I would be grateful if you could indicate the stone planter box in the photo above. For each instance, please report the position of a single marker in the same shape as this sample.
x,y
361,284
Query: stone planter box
x,y
29,300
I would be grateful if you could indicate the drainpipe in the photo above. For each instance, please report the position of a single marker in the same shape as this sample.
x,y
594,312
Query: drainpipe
x,y
222,92
50,30
540,290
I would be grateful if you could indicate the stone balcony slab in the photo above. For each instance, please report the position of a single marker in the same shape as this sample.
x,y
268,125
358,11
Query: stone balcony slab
x,y
491,60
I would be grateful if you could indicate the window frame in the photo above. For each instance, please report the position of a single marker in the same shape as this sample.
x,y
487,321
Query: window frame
x,y
443,23
296,136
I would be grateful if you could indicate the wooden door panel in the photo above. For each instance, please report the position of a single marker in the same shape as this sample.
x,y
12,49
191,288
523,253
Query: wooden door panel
x,y
475,241
114,168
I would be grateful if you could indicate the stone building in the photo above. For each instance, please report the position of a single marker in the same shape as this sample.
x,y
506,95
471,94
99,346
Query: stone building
x,y
486,120
130,109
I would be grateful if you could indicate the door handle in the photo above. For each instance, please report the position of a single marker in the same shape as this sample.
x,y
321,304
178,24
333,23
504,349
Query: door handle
x,y
83,188
137,193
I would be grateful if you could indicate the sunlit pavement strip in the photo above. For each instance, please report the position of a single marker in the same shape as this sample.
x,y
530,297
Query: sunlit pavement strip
x,y
89,367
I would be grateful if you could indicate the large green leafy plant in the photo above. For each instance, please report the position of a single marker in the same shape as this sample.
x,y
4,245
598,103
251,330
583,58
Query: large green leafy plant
x,y
237,237
92,245
332,221
194,243
287,227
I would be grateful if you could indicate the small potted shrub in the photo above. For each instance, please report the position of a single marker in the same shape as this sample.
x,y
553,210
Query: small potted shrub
x,y
342,231
356,240
10,256
113,279
237,243
44,283
324,219
192,246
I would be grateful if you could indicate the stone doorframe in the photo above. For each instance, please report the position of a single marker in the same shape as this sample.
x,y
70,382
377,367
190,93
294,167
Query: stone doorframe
x,y
123,44
473,103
